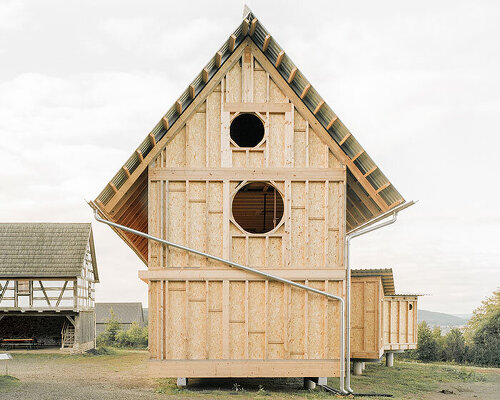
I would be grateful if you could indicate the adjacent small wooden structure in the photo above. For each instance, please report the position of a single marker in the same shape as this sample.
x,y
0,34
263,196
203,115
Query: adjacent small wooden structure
x,y
381,320
251,165
48,273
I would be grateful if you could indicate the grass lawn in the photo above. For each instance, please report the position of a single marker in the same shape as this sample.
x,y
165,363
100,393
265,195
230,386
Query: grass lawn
x,y
7,381
406,380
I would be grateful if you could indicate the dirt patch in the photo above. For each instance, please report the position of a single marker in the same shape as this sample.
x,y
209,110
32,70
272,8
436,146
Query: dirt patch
x,y
466,391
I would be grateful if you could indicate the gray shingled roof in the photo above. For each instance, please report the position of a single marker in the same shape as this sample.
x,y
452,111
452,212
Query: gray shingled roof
x,y
44,250
125,313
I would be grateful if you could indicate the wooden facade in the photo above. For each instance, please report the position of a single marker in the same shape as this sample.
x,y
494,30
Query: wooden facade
x,y
381,321
400,322
204,310
192,182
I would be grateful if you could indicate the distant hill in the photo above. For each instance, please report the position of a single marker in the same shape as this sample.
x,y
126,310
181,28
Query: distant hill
x,y
440,319
464,316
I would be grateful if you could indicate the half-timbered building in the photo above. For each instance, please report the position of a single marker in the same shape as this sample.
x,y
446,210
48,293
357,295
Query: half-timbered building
x,y
48,273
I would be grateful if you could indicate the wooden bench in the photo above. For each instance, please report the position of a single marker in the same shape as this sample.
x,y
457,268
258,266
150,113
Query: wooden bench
x,y
29,343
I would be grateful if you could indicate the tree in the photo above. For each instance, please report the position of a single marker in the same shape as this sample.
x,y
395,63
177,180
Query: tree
x,y
482,333
480,314
108,337
454,346
486,339
427,344
440,344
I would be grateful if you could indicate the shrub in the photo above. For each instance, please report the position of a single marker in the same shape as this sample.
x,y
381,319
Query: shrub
x,y
108,337
134,337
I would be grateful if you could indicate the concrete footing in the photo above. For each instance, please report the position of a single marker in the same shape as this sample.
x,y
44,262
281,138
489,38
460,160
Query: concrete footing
x,y
322,380
357,367
389,359
182,382
309,383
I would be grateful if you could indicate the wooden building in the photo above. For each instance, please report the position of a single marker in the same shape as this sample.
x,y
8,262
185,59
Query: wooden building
x,y
125,313
251,165
47,276
381,320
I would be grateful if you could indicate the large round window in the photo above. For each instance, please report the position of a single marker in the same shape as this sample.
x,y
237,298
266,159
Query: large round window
x,y
258,207
247,130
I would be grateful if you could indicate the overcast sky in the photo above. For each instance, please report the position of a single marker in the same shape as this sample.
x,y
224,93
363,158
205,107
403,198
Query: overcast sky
x,y
418,84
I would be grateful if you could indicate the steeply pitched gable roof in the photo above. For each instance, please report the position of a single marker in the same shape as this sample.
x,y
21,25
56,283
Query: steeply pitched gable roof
x,y
44,250
369,192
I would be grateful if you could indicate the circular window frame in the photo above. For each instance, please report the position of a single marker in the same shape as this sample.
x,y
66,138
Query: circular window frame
x,y
240,186
262,120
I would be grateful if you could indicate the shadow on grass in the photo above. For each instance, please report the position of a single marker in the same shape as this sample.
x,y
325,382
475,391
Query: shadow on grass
x,y
7,381
246,387
403,381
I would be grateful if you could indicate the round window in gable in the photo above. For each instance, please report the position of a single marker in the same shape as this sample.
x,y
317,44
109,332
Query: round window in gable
x,y
258,207
247,130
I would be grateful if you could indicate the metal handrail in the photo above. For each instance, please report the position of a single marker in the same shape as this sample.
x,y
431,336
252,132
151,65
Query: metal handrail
x,y
248,269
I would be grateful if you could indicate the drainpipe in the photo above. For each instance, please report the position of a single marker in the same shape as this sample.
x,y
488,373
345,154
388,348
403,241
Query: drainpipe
x,y
361,231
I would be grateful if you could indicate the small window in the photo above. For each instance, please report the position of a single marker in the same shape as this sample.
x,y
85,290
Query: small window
x,y
410,306
258,207
247,130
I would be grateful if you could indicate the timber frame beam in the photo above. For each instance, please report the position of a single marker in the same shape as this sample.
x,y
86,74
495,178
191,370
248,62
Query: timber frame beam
x,y
261,174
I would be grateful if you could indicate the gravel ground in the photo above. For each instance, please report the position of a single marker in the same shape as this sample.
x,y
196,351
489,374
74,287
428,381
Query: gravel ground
x,y
50,376
76,391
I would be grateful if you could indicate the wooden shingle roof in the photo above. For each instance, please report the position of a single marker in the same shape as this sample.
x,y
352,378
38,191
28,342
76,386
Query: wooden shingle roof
x,y
44,250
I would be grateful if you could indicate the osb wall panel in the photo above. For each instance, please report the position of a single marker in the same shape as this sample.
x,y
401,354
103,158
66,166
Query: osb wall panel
x,y
399,322
238,320
196,210
366,317
191,185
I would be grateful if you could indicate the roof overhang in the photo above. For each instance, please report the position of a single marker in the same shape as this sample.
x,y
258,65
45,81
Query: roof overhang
x,y
385,274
